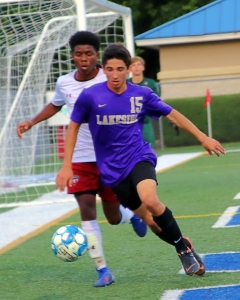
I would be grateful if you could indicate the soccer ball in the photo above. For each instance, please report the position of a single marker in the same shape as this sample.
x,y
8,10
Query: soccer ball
x,y
69,243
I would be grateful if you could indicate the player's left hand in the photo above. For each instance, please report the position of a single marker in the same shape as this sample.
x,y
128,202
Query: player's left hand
x,y
213,146
64,178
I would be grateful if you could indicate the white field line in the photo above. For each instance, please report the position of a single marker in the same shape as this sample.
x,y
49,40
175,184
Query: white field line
x,y
226,217
176,294
237,197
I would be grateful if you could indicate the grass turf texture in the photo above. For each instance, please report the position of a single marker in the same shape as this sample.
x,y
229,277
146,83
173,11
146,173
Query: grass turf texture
x,y
144,268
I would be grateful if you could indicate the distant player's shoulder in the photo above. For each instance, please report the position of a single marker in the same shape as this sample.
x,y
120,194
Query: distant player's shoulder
x,y
65,78
136,87
148,81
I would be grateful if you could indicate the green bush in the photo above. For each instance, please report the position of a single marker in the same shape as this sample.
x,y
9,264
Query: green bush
x,y
225,115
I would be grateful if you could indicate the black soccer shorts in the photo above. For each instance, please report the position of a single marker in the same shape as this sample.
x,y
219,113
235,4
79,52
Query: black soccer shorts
x,y
126,191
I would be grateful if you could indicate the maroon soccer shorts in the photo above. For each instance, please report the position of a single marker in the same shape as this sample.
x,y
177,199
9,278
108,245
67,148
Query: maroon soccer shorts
x,y
86,177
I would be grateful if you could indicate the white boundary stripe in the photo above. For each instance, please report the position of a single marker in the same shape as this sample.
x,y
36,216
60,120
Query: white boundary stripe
x,y
233,150
172,295
33,203
237,197
171,160
226,217
36,184
176,294
21,221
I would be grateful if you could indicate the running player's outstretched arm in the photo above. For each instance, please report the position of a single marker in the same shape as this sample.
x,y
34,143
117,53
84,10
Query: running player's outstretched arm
x,y
211,145
48,111
64,176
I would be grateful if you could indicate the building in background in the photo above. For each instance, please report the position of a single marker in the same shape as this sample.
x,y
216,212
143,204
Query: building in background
x,y
199,50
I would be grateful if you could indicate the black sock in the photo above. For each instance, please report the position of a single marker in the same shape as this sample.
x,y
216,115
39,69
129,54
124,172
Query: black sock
x,y
165,238
171,232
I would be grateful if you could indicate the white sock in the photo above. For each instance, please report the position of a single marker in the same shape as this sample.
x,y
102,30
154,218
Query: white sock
x,y
95,249
127,214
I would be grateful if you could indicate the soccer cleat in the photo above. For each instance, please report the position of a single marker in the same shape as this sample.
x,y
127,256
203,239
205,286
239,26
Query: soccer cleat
x,y
138,226
105,278
202,269
189,262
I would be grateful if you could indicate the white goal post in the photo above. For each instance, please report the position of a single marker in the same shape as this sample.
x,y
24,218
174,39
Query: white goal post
x,y
34,51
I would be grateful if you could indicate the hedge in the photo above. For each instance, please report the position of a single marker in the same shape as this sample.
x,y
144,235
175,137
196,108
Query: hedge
x,y
225,114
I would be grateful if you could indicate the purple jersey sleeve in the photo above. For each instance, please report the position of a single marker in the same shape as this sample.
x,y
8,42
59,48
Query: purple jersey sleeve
x,y
81,108
155,107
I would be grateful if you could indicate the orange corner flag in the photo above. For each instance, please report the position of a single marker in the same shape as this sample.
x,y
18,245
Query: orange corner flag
x,y
208,99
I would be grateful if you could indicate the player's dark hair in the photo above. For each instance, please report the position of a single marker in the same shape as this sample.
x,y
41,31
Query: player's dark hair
x,y
84,38
117,51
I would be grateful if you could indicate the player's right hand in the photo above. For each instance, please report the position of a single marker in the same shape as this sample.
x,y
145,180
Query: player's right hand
x,y
64,178
23,127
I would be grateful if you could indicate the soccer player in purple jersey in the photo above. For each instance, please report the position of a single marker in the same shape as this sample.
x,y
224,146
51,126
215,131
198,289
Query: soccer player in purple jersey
x,y
115,112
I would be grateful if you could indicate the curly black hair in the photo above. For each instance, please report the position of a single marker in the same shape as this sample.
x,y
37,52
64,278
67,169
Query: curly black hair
x,y
84,38
117,51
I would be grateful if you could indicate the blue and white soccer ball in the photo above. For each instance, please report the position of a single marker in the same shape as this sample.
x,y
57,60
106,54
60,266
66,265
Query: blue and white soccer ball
x,y
69,243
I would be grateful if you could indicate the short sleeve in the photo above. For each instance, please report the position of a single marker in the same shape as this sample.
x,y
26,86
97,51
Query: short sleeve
x,y
80,113
154,106
58,99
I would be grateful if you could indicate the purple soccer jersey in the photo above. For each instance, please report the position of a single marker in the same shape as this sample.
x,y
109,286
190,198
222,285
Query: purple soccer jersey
x,y
116,122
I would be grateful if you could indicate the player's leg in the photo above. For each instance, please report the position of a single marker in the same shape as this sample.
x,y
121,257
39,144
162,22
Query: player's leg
x,y
143,200
85,186
144,178
117,214
147,217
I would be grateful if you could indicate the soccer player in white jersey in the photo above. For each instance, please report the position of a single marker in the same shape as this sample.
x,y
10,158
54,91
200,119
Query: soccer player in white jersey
x,y
85,46
115,112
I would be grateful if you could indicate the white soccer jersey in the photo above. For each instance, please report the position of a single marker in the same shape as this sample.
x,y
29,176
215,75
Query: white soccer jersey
x,y
66,92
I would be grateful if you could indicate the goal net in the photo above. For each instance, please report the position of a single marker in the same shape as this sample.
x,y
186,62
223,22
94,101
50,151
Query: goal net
x,y
34,51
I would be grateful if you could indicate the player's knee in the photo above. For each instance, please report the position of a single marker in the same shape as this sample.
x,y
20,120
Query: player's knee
x,y
150,200
154,206
113,220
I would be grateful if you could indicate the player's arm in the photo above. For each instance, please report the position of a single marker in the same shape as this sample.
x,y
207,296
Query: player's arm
x,y
64,176
48,111
211,145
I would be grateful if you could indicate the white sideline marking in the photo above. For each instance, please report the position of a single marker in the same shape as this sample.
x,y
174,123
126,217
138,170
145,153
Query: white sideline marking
x,y
176,294
172,295
22,220
169,160
237,197
226,217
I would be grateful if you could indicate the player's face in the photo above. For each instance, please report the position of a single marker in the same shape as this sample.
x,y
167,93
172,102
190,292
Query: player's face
x,y
116,72
137,68
85,58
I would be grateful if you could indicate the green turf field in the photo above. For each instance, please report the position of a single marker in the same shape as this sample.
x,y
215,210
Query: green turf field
x,y
197,192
